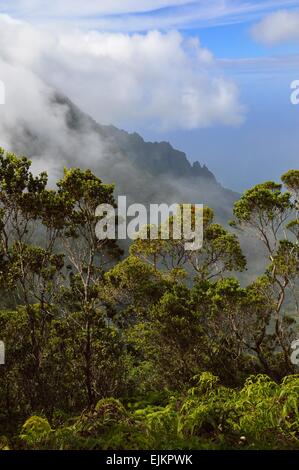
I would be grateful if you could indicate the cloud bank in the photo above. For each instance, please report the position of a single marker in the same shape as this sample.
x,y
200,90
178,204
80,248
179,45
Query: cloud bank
x,y
278,27
158,80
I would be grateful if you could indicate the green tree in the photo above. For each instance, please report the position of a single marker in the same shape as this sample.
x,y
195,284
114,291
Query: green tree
x,y
87,259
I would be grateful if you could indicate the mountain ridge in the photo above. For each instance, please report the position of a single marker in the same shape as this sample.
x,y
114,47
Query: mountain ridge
x,y
156,160
147,172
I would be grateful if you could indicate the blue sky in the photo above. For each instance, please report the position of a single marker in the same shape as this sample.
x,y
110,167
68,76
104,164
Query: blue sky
x,y
247,55
267,143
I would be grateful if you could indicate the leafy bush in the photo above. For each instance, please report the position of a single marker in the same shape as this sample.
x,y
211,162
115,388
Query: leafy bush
x,y
261,415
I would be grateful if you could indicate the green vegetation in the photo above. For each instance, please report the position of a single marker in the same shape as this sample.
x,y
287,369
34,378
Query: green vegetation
x,y
158,349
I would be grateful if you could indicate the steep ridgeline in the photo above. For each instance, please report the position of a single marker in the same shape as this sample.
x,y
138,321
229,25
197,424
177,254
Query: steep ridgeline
x,y
158,158
146,172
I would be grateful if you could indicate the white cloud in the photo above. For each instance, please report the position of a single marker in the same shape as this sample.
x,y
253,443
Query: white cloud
x,y
156,79
141,15
283,65
88,7
277,27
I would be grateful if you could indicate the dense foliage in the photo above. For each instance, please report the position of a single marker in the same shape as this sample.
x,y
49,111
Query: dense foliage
x,y
158,348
